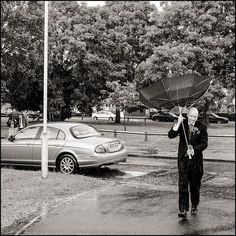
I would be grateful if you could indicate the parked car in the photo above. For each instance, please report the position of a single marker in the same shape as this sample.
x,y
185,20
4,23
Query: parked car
x,y
70,147
164,116
214,118
105,115
35,115
5,112
76,113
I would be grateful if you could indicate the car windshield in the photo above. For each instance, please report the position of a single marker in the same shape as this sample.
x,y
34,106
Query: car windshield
x,y
81,131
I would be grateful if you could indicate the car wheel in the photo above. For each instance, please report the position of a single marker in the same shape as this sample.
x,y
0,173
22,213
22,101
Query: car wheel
x,y
154,118
110,119
67,164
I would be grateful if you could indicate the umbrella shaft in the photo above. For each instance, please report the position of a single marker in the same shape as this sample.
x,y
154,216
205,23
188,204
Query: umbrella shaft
x,y
186,140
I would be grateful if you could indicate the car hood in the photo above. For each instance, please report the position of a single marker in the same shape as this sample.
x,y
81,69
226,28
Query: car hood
x,y
90,141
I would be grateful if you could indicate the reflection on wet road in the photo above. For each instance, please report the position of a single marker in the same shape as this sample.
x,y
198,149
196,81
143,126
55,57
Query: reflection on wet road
x,y
134,209
142,199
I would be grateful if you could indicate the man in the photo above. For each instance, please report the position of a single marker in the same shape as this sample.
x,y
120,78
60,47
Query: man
x,y
23,121
190,159
13,124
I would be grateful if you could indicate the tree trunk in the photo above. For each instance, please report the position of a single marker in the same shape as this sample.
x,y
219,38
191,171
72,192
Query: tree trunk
x,y
117,120
205,117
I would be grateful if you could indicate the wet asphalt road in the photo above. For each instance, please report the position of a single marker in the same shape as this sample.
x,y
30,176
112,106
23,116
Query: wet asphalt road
x,y
141,198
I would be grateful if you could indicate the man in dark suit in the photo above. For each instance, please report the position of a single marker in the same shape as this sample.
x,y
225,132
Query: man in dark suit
x,y
190,159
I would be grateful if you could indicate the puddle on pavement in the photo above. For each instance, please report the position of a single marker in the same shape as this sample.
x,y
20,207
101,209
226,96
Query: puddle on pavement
x,y
109,173
214,179
222,181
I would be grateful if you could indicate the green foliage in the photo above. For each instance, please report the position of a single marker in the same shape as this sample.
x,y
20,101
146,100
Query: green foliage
x,y
107,52
21,43
192,36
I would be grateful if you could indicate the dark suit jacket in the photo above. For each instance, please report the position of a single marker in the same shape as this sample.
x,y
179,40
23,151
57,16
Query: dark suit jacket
x,y
198,139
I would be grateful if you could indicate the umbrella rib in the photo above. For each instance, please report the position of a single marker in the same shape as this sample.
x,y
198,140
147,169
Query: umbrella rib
x,y
203,81
167,94
195,94
202,95
162,99
148,100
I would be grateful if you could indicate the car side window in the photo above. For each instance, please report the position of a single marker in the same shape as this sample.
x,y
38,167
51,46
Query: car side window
x,y
54,133
28,133
61,135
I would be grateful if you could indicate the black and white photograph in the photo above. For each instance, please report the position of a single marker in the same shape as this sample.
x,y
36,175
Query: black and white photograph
x,y
118,118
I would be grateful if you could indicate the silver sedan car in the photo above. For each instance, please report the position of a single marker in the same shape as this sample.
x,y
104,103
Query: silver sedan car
x,y
70,146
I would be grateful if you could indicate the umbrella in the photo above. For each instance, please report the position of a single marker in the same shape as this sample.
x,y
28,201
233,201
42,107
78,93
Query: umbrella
x,y
180,91
14,113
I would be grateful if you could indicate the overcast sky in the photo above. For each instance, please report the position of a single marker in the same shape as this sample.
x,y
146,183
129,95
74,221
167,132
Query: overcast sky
x,y
96,3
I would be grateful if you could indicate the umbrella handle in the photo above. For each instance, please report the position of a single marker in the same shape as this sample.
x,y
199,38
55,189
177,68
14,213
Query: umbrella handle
x,y
190,157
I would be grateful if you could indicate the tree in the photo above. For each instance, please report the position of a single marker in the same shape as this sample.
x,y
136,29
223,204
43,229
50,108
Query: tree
x,y
124,97
126,24
95,51
21,45
79,66
191,36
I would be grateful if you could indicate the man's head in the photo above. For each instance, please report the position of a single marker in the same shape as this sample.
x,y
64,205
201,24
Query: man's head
x,y
192,115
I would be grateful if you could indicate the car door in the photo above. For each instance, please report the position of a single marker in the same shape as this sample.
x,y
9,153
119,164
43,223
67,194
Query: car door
x,y
20,150
100,115
56,140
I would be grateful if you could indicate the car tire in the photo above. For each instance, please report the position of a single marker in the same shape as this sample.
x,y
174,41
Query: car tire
x,y
67,164
154,118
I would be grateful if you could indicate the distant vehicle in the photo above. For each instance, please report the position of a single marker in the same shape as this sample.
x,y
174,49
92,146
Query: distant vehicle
x,y
76,113
70,147
35,115
164,116
214,118
105,115
4,114
6,111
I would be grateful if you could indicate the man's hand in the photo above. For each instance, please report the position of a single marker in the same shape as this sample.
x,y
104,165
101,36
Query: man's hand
x,y
190,150
180,119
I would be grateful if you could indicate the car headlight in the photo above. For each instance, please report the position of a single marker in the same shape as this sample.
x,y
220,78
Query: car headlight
x,y
100,149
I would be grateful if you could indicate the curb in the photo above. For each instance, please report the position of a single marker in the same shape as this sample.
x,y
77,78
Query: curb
x,y
175,158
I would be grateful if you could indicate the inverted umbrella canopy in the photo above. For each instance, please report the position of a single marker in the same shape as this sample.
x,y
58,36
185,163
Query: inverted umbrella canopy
x,y
181,91
14,113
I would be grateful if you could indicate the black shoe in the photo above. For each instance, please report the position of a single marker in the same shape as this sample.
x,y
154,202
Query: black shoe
x,y
194,210
182,213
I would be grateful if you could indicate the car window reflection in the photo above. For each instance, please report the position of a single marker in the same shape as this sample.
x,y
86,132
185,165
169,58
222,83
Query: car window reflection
x,y
83,132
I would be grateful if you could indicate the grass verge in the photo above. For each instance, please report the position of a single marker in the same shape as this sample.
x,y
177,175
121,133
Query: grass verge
x,y
24,194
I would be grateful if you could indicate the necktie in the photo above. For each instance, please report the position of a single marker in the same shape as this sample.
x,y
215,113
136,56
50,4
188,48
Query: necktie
x,y
190,128
190,132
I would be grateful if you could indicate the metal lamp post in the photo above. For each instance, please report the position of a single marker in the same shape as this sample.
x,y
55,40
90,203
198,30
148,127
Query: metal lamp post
x,y
44,150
